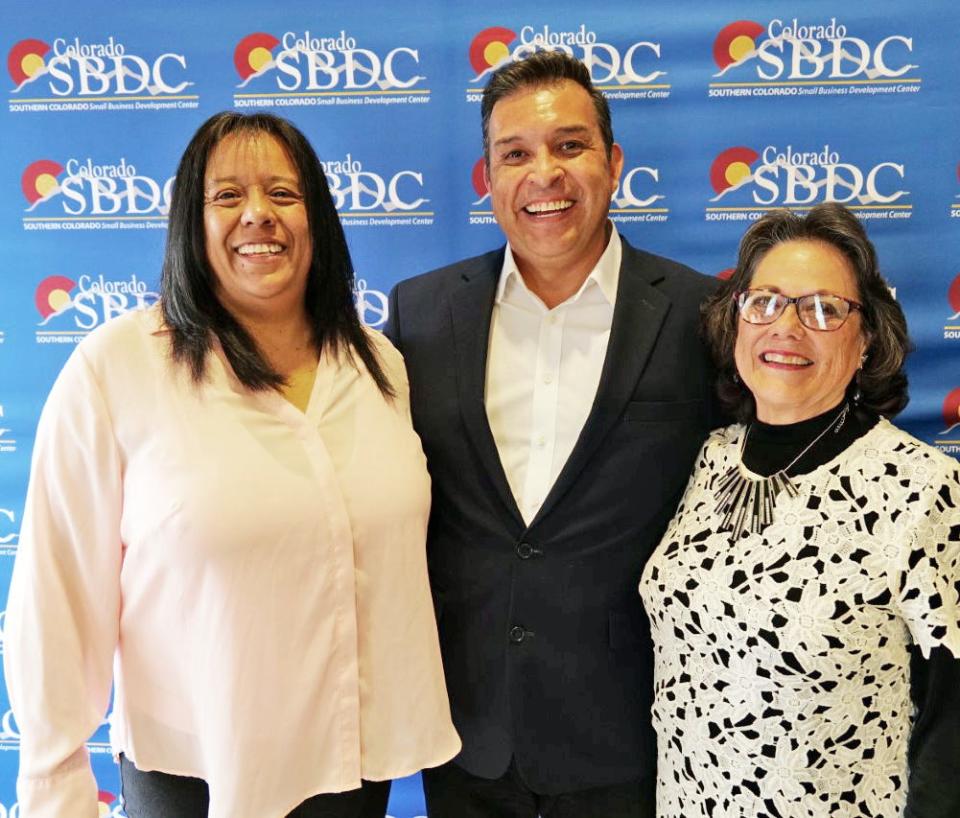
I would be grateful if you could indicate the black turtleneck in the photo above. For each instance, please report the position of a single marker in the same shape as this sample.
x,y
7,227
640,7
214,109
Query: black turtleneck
x,y
769,448
934,753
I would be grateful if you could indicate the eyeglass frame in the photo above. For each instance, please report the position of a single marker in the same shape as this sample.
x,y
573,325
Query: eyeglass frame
x,y
855,306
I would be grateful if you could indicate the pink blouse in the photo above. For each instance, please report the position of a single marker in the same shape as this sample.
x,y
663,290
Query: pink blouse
x,y
251,578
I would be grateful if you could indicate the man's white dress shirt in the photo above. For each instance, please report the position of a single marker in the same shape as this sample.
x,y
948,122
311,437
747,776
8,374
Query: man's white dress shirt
x,y
543,368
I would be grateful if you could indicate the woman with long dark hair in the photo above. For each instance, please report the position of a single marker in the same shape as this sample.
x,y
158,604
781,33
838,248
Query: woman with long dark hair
x,y
226,520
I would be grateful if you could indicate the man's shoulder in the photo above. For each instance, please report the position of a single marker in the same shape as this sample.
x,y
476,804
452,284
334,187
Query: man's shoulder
x,y
676,275
444,277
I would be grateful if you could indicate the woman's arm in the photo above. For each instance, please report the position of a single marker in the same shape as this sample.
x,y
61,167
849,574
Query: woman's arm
x,y
934,790
928,592
63,612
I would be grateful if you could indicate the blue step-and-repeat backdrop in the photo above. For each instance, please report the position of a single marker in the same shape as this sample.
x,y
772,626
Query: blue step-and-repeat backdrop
x,y
724,110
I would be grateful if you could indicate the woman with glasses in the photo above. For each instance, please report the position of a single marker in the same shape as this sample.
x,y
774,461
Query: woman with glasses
x,y
813,559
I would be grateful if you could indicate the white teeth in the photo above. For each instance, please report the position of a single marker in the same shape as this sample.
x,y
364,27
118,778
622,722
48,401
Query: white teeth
x,y
259,249
780,358
548,207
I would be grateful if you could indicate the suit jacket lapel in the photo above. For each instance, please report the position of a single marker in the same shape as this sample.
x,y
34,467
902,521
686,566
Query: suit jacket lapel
x,y
471,306
637,317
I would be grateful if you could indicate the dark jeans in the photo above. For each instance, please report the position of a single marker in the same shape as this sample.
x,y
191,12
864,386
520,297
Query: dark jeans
x,y
452,792
160,795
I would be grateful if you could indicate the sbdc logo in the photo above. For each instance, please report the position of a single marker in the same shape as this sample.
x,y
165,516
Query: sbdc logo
x,y
480,212
70,309
951,413
362,193
76,69
108,805
108,191
951,329
308,63
949,439
785,177
635,196
794,52
634,67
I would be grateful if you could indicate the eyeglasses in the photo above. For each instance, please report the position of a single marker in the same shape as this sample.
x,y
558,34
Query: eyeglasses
x,y
824,312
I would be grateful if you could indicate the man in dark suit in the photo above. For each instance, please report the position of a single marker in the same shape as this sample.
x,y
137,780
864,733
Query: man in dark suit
x,y
561,394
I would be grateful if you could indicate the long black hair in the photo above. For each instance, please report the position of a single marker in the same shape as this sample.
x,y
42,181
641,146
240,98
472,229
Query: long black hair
x,y
191,309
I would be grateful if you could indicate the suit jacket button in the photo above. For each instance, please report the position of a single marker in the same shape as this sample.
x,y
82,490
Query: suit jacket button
x,y
517,634
524,550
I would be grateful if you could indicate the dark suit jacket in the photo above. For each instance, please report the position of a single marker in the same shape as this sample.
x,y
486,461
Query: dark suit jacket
x,y
545,645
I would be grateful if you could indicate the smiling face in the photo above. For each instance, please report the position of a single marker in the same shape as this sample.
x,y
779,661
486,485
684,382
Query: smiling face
x,y
550,178
256,229
794,372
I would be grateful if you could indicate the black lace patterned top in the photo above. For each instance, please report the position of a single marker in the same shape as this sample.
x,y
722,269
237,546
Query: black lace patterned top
x,y
782,659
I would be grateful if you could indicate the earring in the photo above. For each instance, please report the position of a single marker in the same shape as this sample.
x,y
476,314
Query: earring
x,y
736,377
857,391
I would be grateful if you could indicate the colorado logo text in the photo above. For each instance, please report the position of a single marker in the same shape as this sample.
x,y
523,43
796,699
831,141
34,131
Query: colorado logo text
x,y
367,198
795,56
788,177
306,68
625,72
90,195
70,309
74,69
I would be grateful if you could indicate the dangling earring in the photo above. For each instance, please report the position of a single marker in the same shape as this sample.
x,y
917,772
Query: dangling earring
x,y
857,391
736,377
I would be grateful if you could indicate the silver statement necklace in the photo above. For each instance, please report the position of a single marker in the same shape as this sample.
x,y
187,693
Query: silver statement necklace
x,y
747,502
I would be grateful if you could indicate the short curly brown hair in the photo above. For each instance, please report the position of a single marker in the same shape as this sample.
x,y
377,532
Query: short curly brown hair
x,y
882,380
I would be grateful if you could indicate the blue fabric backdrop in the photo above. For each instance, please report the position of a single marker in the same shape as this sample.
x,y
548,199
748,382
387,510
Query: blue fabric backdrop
x,y
724,109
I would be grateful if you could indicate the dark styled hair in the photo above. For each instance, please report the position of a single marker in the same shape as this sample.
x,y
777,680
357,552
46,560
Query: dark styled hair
x,y
191,310
882,379
542,68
